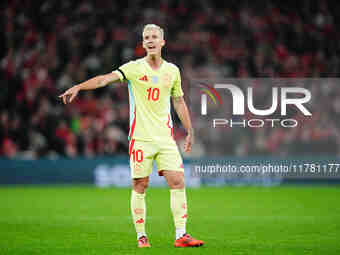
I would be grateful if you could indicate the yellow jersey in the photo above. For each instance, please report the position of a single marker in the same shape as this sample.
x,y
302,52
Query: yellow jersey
x,y
149,98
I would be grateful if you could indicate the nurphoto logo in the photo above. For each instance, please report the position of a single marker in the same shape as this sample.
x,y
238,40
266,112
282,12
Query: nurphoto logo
x,y
281,97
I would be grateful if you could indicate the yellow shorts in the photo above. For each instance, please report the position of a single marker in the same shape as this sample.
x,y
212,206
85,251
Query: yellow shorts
x,y
142,154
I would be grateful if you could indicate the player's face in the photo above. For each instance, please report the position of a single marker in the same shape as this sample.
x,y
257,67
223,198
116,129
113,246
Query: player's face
x,y
153,41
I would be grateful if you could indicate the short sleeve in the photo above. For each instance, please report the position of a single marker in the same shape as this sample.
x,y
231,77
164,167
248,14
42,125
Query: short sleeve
x,y
176,90
125,71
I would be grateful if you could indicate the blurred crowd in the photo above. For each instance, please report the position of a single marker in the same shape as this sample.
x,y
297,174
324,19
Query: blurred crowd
x,y
48,46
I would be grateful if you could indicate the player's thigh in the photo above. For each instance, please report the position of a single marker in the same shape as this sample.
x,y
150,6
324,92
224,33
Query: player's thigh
x,y
141,158
169,158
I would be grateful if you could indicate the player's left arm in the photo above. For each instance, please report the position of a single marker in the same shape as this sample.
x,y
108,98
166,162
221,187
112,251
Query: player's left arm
x,y
183,114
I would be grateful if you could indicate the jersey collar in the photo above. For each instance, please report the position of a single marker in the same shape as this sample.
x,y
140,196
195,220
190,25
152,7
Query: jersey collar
x,y
150,68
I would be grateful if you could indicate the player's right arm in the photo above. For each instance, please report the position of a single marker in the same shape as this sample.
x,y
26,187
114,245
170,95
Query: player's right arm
x,y
96,82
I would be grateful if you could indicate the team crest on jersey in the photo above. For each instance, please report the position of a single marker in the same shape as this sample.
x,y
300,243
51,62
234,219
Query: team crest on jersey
x,y
154,79
166,80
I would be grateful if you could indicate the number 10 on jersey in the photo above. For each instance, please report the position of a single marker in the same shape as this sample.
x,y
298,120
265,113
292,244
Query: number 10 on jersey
x,y
153,94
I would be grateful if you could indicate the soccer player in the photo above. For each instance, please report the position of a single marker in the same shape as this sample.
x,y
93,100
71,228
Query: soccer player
x,y
151,83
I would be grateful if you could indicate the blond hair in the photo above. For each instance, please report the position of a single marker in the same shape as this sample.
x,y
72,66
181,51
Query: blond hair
x,y
154,26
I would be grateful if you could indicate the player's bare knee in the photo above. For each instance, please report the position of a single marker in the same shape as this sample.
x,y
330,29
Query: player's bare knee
x,y
140,184
177,182
140,188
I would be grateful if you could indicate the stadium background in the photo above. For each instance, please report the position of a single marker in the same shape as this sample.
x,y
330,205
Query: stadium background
x,y
48,46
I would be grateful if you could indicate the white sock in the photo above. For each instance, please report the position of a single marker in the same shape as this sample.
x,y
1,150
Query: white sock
x,y
140,234
180,232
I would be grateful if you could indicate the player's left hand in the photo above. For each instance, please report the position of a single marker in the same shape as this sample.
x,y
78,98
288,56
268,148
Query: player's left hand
x,y
189,141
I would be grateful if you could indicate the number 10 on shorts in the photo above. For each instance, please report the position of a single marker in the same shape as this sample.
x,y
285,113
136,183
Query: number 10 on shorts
x,y
137,155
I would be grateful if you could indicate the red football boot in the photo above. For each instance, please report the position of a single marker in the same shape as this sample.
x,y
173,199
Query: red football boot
x,y
187,241
143,242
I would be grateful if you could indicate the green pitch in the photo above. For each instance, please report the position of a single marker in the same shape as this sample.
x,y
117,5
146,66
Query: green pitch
x,y
247,220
